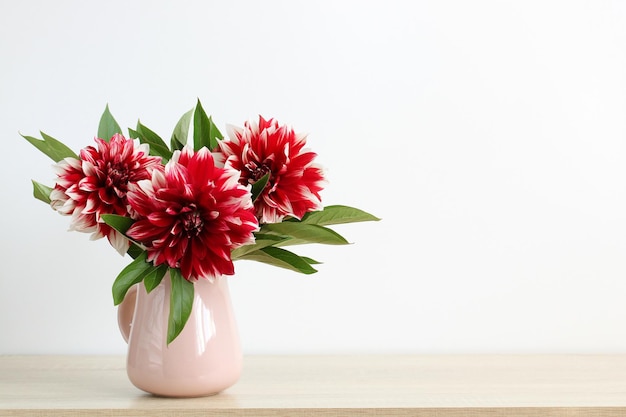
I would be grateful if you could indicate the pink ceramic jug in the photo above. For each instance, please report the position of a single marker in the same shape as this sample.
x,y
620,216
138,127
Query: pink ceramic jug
x,y
206,356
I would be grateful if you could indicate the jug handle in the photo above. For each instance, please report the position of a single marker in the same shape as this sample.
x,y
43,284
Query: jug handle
x,y
125,312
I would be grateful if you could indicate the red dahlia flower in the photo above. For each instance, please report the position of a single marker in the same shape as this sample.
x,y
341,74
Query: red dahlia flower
x,y
192,215
97,184
267,147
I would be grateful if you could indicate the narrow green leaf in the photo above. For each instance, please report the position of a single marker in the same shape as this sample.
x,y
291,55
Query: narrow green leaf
x,y
281,258
311,261
205,133
337,215
133,134
306,233
259,186
291,242
108,126
41,192
181,131
119,223
134,273
51,147
157,145
134,250
181,302
154,278
262,241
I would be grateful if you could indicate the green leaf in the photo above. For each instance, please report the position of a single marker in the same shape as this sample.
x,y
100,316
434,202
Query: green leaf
x,y
281,258
134,250
205,133
262,241
181,302
305,233
134,273
119,223
311,261
154,278
108,126
337,215
259,186
133,133
181,131
41,192
157,145
51,147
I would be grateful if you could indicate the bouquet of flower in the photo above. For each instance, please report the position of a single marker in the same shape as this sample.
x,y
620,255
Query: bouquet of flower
x,y
194,208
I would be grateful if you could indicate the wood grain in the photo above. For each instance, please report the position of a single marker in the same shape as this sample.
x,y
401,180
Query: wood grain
x,y
360,385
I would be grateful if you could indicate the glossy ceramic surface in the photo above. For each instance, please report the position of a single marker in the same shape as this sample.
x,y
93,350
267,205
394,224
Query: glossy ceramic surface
x,y
206,356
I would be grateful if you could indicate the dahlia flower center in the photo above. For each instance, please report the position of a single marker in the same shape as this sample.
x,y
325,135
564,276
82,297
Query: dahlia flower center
x,y
118,175
192,221
256,171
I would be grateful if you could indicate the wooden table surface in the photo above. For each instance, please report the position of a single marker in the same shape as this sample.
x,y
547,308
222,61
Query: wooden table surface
x,y
361,385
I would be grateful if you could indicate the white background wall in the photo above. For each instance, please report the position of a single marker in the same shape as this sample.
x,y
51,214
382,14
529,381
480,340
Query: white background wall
x,y
489,135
